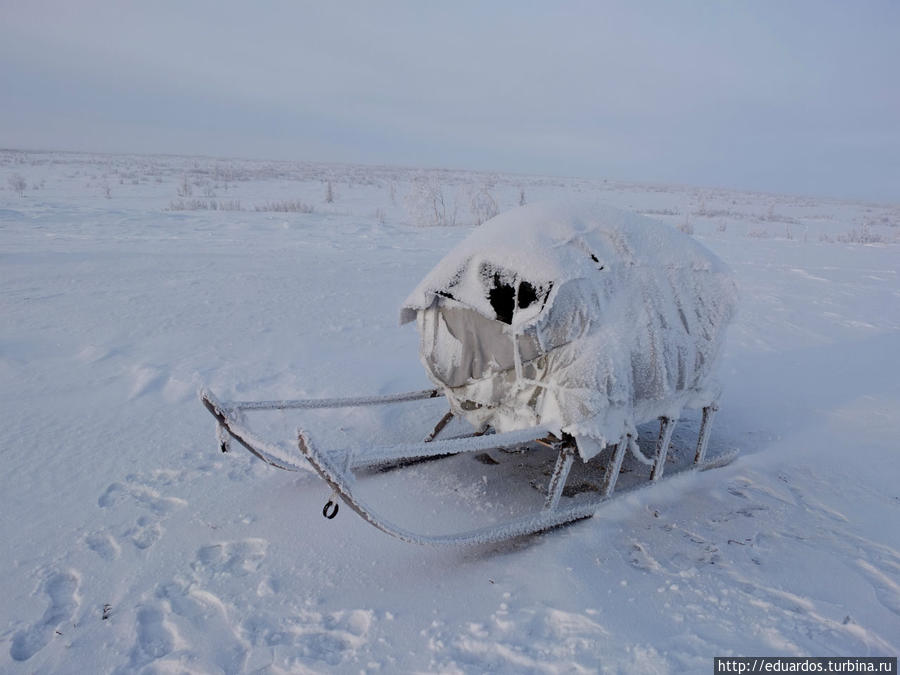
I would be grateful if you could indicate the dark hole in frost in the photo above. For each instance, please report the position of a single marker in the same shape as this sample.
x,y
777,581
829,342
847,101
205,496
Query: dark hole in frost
x,y
527,294
502,298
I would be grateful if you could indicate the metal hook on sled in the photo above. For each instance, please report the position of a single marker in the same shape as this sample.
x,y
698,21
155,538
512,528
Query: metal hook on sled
x,y
331,508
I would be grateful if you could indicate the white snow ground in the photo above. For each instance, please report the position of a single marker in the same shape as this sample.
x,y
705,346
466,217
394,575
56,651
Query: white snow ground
x,y
115,310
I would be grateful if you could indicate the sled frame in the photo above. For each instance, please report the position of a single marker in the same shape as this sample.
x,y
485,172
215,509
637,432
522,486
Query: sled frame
x,y
336,467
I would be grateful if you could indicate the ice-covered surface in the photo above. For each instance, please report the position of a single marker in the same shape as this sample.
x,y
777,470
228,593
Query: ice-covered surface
x,y
115,310
594,320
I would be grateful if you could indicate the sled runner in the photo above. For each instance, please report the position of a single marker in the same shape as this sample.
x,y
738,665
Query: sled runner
x,y
548,326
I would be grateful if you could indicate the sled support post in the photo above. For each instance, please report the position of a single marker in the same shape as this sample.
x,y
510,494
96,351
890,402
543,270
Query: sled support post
x,y
439,427
560,474
709,412
615,464
666,427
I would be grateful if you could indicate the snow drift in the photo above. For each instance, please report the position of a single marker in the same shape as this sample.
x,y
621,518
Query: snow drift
x,y
585,320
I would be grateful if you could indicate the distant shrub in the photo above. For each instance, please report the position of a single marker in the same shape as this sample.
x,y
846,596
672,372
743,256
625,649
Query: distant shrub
x,y
760,233
17,183
861,235
686,226
484,206
721,213
772,217
184,188
286,206
428,205
205,205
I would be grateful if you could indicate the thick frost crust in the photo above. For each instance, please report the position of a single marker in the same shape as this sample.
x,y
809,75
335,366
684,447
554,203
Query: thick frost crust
x,y
589,320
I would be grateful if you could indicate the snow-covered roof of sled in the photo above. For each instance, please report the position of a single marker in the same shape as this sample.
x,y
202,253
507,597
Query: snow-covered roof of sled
x,y
550,243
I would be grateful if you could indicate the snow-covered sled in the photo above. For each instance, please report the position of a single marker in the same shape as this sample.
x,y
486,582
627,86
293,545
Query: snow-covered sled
x,y
550,324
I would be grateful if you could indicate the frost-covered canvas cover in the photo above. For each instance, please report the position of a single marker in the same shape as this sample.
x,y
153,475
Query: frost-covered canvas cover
x,y
588,320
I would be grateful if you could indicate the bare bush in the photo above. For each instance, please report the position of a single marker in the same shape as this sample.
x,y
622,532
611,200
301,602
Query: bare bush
x,y
17,183
889,219
285,206
661,212
483,205
772,217
329,193
720,213
184,188
861,235
760,233
205,205
686,226
427,204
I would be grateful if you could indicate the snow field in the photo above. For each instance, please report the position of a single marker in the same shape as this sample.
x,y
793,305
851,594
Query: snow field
x,y
115,310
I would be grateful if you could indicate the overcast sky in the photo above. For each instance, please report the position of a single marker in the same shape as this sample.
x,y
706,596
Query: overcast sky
x,y
785,96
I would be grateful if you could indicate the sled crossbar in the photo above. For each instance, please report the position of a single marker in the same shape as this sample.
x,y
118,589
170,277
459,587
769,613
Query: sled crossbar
x,y
386,454
317,403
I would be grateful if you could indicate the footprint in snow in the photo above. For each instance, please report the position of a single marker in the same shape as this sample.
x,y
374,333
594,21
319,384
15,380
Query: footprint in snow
x,y
62,590
202,614
144,495
311,638
155,638
103,545
145,533
235,558
140,491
